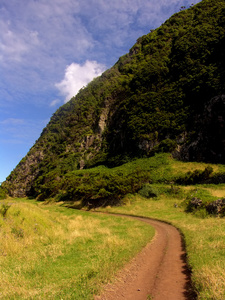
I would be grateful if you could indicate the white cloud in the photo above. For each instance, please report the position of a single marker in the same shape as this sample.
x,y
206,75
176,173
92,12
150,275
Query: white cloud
x,y
54,102
43,30
77,76
39,38
14,43
12,121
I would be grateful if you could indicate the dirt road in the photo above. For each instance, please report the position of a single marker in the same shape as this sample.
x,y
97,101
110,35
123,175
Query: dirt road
x,y
158,272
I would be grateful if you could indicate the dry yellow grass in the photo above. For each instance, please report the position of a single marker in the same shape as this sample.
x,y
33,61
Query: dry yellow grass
x,y
211,282
205,238
220,193
46,254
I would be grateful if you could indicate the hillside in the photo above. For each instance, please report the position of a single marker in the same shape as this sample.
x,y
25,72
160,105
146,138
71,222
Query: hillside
x,y
165,95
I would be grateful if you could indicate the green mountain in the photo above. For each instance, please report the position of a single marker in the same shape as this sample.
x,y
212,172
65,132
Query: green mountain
x,y
165,95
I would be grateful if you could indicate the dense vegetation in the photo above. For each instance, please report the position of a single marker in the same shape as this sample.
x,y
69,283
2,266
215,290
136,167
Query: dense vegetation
x,y
150,101
102,186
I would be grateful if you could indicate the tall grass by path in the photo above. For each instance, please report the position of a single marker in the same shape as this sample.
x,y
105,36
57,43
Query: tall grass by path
x,y
51,252
204,235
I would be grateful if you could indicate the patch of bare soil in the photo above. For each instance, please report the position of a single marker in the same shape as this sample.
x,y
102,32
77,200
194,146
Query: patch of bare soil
x,y
158,272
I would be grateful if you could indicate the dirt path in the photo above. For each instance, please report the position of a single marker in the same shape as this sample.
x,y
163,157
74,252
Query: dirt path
x,y
158,272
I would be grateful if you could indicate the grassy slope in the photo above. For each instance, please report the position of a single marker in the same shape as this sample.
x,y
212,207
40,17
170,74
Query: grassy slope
x,y
65,249
204,235
51,252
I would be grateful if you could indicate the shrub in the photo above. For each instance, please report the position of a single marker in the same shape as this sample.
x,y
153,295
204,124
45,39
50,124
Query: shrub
x,y
195,177
194,204
202,203
2,193
148,191
217,178
3,209
174,191
166,146
202,213
216,207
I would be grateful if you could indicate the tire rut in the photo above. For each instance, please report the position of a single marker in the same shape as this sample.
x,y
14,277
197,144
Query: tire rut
x,y
158,272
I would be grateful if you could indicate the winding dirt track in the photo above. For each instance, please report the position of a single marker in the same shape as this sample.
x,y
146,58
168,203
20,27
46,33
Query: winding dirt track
x,y
158,272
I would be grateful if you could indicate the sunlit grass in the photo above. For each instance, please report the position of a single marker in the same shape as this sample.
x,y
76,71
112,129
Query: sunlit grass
x,y
204,237
51,252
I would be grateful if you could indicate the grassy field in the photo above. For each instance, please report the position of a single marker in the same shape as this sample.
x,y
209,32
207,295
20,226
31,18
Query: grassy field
x,y
204,235
51,252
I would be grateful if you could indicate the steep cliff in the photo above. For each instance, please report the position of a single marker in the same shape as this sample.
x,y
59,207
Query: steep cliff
x,y
155,98
207,140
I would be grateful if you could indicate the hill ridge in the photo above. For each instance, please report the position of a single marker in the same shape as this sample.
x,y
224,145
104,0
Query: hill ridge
x,y
148,102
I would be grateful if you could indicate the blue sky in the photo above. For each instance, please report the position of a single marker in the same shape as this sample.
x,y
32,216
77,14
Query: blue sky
x,y
49,49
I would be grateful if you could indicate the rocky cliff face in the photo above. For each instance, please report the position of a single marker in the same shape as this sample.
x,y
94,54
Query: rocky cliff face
x,y
22,178
207,136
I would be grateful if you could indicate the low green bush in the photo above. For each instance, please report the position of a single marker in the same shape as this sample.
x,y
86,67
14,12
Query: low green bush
x,y
4,209
148,191
202,203
196,177
2,193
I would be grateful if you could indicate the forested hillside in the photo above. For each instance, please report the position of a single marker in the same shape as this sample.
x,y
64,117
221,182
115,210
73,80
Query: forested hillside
x,y
165,95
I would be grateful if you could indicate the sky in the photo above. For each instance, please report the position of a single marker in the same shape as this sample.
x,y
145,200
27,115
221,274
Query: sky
x,y
49,49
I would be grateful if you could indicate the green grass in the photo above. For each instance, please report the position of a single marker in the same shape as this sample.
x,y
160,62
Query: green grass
x,y
204,235
51,252
103,186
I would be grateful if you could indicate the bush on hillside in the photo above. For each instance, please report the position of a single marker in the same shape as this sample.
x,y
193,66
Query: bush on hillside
x,y
217,178
4,209
148,191
95,187
196,177
2,193
201,202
